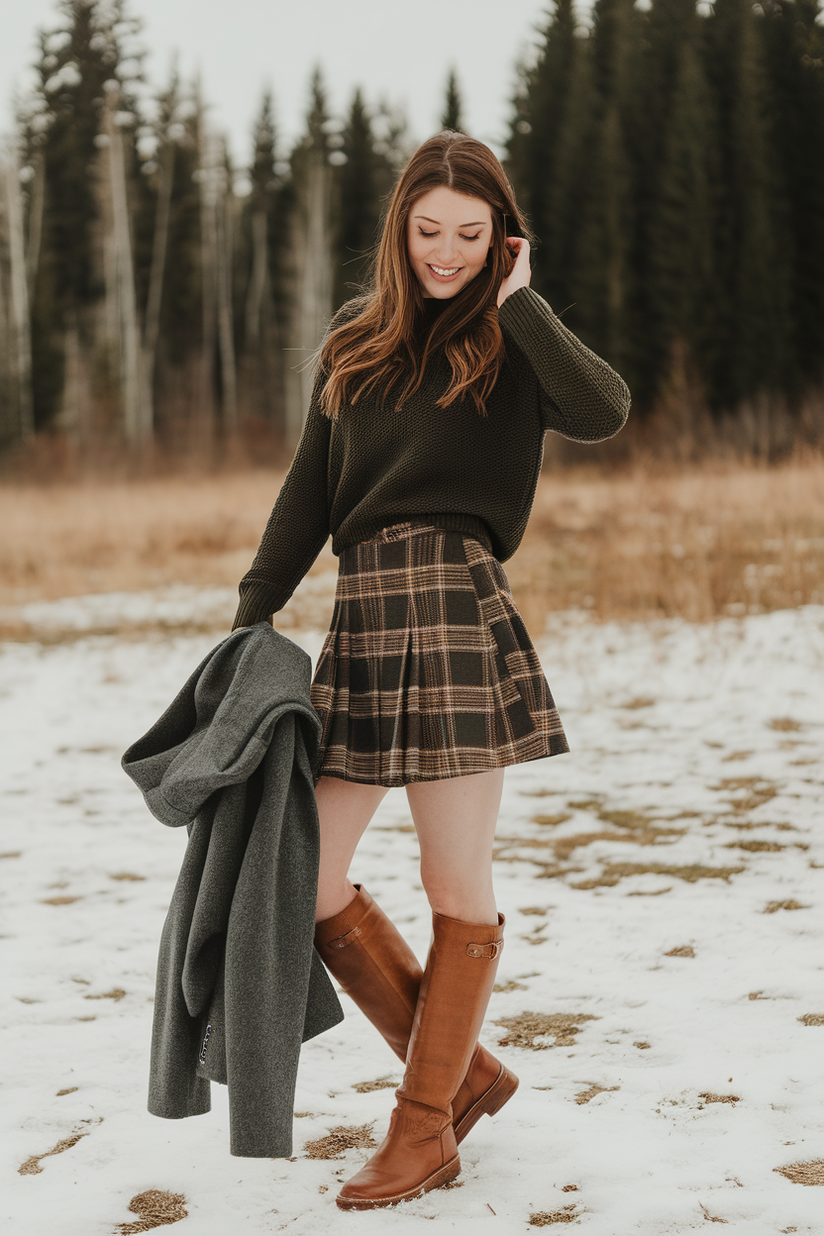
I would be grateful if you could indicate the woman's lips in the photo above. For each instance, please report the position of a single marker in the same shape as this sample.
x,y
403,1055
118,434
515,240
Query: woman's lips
x,y
436,272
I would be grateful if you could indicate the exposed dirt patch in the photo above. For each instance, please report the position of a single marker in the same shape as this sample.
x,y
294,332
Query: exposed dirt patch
x,y
642,1044
11,854
116,994
382,1083
614,872
154,1208
551,821
584,1096
125,875
510,985
812,1019
68,1090
810,1173
32,1167
339,1140
784,725
526,1028
709,1097
543,1218
792,904
683,950
641,701
58,901
760,791
756,847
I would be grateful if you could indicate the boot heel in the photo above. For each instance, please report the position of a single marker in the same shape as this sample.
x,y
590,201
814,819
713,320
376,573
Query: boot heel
x,y
500,1092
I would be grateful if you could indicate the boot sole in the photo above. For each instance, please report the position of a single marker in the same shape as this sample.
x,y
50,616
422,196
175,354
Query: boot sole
x,y
500,1092
443,1176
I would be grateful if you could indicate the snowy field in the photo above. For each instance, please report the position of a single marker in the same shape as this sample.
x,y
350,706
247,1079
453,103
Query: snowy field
x,y
662,985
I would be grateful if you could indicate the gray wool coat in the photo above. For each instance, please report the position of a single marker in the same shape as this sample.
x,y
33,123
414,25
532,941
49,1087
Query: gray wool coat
x,y
239,984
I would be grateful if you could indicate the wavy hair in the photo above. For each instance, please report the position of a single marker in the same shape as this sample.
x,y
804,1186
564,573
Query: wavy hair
x,y
380,346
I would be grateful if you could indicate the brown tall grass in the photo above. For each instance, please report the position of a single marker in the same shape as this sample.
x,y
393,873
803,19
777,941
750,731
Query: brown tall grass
x,y
697,543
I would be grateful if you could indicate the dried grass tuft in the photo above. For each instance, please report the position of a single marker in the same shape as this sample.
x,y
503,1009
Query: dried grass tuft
x,y
642,701
154,1208
550,821
58,901
810,1173
382,1083
812,1019
543,1218
615,872
32,1167
792,904
510,985
526,1028
756,847
116,994
709,1097
584,1096
784,725
683,950
339,1140
68,1090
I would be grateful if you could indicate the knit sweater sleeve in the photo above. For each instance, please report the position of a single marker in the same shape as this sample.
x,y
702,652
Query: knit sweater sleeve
x,y
298,526
582,397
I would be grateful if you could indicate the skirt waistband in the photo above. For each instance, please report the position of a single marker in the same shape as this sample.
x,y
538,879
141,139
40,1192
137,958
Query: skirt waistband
x,y
414,527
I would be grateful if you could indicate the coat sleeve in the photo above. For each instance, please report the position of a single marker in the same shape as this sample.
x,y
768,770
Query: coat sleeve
x,y
581,396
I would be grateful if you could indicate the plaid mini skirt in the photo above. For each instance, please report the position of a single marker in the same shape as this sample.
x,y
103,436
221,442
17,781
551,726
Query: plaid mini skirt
x,y
428,671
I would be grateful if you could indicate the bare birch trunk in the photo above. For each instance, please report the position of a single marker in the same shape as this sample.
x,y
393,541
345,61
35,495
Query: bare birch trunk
x,y
314,291
257,280
137,411
226,341
205,413
38,195
19,301
160,244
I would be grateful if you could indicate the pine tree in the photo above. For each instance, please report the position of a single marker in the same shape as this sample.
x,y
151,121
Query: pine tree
x,y
452,117
751,334
793,49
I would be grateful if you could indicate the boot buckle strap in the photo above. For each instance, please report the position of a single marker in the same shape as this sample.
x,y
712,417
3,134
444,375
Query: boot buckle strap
x,y
491,950
342,941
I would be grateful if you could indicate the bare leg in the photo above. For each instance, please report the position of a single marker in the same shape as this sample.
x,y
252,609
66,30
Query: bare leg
x,y
344,810
455,821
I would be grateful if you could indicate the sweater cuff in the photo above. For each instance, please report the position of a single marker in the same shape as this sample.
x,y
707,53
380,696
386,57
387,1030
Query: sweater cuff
x,y
525,316
257,604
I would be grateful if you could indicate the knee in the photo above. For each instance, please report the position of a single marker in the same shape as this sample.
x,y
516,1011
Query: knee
x,y
467,898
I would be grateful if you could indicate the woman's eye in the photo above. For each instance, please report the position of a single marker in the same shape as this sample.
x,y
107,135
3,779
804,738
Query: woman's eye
x,y
475,237
427,234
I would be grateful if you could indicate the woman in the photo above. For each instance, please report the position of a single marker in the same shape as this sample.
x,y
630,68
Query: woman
x,y
420,454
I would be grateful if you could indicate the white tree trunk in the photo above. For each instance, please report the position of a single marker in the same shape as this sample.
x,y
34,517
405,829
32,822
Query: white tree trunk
x,y
137,410
160,245
19,300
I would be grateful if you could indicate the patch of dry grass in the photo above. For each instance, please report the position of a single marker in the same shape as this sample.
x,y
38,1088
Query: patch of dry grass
x,y
382,1083
338,1141
697,543
526,1028
709,1097
32,1167
683,950
154,1208
615,872
812,1019
810,1173
543,1218
584,1096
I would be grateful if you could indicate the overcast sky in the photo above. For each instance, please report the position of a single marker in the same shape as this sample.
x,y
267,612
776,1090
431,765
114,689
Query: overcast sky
x,y
401,51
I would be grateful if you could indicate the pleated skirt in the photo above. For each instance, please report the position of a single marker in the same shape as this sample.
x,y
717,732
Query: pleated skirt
x,y
428,671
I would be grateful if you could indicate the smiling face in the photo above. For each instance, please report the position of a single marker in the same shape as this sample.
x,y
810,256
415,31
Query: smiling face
x,y
448,237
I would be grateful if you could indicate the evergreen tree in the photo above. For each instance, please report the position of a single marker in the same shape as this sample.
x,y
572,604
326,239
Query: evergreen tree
x,y
793,48
751,333
452,117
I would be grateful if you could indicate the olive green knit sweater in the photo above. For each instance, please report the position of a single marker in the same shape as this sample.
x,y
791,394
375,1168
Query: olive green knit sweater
x,y
377,466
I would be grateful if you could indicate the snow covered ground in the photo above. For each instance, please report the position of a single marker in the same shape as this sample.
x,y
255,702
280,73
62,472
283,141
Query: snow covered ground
x,y
663,892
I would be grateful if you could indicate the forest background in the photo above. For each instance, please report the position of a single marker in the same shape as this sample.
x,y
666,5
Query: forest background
x,y
159,301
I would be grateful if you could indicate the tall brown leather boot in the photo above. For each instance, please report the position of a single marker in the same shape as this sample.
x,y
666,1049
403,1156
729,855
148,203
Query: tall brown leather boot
x,y
370,959
420,1151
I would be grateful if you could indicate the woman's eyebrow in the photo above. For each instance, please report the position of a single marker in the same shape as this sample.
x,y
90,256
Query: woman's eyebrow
x,y
477,223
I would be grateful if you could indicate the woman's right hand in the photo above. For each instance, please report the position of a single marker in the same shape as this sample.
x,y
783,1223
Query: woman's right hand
x,y
520,274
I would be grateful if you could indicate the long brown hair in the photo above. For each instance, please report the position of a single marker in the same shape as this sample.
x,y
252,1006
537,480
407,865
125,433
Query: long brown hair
x,y
379,346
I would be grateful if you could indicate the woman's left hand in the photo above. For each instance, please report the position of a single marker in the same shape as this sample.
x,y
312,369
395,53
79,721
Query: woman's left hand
x,y
520,274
